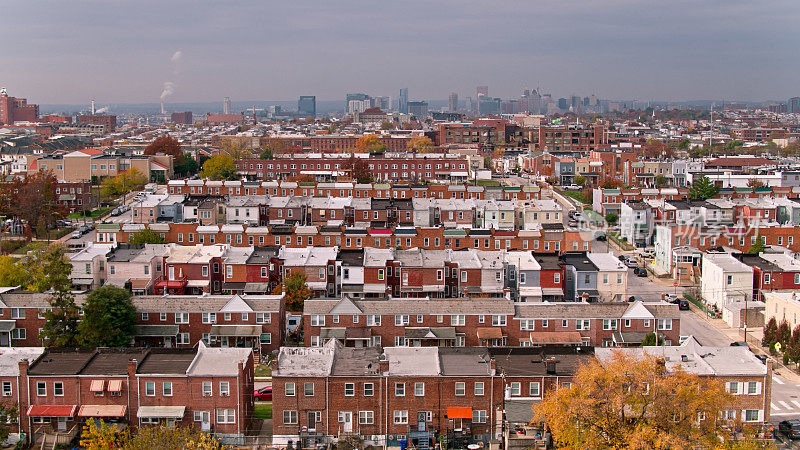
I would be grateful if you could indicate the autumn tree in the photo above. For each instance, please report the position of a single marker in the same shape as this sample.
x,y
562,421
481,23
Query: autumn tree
x,y
167,145
370,143
755,183
610,183
236,148
580,180
108,318
11,272
219,167
122,183
61,320
784,334
272,147
632,402
359,169
296,290
146,236
420,144
792,349
771,331
660,181
46,267
97,435
757,248
34,200
386,125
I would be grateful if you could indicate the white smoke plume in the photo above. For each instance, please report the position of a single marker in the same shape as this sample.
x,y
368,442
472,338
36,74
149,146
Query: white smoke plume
x,y
169,86
167,90
104,109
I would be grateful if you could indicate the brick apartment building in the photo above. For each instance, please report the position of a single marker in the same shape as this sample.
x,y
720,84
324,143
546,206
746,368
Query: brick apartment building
x,y
13,109
108,121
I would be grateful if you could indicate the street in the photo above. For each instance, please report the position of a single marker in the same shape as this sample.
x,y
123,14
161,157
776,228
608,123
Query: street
x,y
703,332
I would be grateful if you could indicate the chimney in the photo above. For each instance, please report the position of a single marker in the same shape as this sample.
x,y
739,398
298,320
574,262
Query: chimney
x,y
492,364
132,365
383,364
550,366
93,107
23,367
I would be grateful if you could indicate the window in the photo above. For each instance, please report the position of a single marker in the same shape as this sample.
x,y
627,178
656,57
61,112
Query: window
x,y
479,416
373,320
289,417
399,389
58,389
533,388
479,388
150,388
366,417
224,389
18,333
17,313
261,317
733,387
401,320
145,317
166,389
461,388
526,324
7,389
664,324
752,415
400,417
208,389
182,317
557,278
419,389
226,415
515,389
609,324
317,320
369,389
498,321
753,388
209,317
458,320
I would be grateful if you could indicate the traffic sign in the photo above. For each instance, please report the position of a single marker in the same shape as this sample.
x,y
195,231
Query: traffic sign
x,y
675,284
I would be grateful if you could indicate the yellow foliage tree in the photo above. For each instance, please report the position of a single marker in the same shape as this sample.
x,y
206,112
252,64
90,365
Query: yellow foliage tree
x,y
236,148
632,402
122,183
99,436
369,143
219,167
420,144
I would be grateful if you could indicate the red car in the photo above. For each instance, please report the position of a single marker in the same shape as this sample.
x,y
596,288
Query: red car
x,y
264,394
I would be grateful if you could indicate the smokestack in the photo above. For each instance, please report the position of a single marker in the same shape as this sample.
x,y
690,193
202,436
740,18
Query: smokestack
x,y
162,107
92,107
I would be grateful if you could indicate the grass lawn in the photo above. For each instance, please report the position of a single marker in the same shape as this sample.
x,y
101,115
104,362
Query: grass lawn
x,y
577,195
487,183
93,214
263,370
262,410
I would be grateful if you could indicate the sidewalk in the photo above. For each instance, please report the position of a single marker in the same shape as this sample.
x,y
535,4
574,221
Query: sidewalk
x,y
754,337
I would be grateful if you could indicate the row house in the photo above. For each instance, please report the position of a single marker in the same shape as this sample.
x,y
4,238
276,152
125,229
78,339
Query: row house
x,y
136,267
58,390
475,322
748,380
89,266
318,264
725,280
772,272
181,321
76,196
406,395
366,273
192,269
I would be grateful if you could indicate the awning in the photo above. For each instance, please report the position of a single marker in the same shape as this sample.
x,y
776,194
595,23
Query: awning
x,y
140,284
97,386
431,333
236,330
629,337
256,288
169,412
552,291
118,282
556,337
7,325
197,283
66,197
332,333
489,333
519,411
234,286
52,410
102,411
114,385
156,330
358,333
459,412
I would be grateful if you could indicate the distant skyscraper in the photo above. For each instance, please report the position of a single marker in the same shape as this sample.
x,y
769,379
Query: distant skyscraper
x,y
418,109
384,102
226,105
452,102
562,103
307,105
482,91
793,106
402,101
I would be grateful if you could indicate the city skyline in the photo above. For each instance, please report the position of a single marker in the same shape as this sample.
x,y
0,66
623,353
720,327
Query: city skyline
x,y
183,52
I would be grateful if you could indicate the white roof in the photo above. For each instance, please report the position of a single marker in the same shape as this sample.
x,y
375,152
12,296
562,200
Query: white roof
x,y
218,361
413,360
607,262
11,356
306,361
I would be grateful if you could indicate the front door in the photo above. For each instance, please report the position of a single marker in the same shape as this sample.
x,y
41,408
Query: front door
x,y
62,424
171,272
168,341
205,421
347,421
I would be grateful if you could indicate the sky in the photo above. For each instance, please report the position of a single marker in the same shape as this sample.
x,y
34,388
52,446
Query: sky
x,y
59,52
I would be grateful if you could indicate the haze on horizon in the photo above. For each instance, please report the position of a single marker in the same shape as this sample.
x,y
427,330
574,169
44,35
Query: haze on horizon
x,y
69,52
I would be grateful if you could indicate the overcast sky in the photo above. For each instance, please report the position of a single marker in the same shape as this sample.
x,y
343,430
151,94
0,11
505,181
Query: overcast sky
x,y
125,51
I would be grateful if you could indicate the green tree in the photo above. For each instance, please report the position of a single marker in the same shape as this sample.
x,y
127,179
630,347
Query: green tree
x,y
46,267
266,154
757,248
10,412
703,189
108,318
650,340
219,167
146,236
792,349
187,167
122,183
580,180
611,219
784,334
297,291
62,318
771,331
12,272
660,181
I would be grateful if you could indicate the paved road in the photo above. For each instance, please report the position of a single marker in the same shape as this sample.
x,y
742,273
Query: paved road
x,y
703,331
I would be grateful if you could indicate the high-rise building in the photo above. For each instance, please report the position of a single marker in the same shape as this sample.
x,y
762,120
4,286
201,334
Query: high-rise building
x,y
402,101
793,105
183,118
226,105
418,109
384,102
562,104
358,106
14,109
488,105
307,105
482,91
452,102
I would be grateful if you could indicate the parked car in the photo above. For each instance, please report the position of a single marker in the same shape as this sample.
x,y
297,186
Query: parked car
x,y
623,258
669,298
264,394
762,358
631,262
683,304
635,298
115,212
739,344
572,187
640,271
77,234
601,237
791,428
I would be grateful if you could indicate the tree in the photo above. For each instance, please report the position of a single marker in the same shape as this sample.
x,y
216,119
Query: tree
x,y
122,183
34,200
219,167
108,318
771,331
755,183
420,144
167,145
784,334
11,272
580,180
296,291
386,125
46,267
631,402
610,183
650,340
370,143
757,248
8,411
702,189
236,148
189,166
97,435
611,218
359,169
660,181
266,154
146,236
792,349
62,318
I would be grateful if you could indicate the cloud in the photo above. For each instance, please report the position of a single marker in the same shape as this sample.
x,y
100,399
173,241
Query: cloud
x,y
176,57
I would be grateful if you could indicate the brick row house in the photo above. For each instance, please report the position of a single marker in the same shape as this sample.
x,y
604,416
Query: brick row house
x,y
408,395
485,323
57,390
